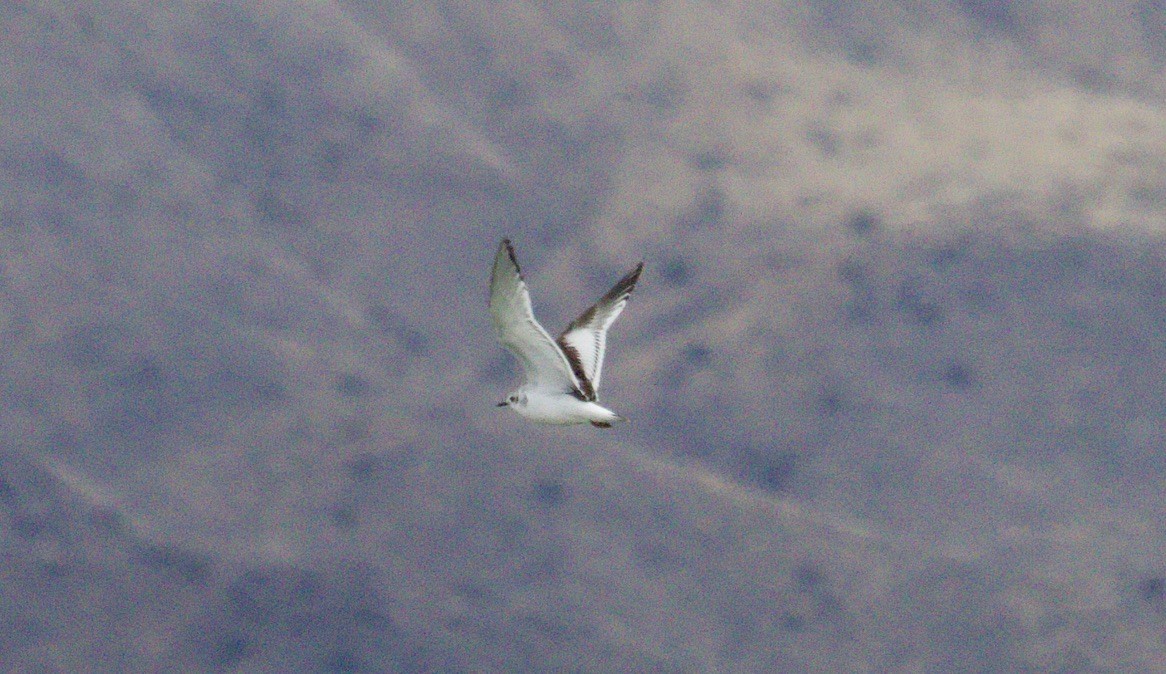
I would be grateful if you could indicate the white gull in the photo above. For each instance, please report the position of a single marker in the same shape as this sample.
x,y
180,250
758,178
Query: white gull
x,y
562,376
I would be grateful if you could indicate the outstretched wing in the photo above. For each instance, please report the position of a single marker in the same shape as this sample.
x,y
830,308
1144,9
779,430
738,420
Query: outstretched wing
x,y
544,364
584,340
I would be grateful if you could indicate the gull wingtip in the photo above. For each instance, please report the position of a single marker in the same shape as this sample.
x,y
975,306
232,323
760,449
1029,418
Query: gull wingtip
x,y
509,248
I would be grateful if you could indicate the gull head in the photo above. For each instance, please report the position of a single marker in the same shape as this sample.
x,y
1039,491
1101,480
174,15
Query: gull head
x,y
515,399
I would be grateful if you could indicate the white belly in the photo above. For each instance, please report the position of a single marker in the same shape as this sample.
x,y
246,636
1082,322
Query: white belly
x,y
563,409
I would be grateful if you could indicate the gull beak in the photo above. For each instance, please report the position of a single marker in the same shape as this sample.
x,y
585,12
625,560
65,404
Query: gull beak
x,y
502,404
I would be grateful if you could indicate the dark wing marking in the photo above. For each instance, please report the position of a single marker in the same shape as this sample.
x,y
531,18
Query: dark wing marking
x,y
585,339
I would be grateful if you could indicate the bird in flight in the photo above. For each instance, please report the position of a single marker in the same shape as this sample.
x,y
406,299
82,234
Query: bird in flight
x,y
562,375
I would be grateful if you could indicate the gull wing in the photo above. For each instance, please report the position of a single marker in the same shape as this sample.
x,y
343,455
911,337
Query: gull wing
x,y
543,363
585,339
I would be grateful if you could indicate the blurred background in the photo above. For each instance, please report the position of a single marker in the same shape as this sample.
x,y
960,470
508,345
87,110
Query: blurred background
x,y
894,368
